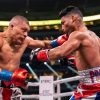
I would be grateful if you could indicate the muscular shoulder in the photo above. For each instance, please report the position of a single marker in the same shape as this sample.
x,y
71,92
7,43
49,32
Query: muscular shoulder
x,y
78,35
34,43
28,39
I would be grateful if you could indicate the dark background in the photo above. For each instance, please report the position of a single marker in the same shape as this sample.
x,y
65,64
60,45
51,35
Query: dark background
x,y
44,9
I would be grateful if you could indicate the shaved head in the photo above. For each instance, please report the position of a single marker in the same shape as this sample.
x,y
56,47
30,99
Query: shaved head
x,y
18,20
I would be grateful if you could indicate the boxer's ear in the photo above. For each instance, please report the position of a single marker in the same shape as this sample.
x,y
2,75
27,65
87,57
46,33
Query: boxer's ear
x,y
74,18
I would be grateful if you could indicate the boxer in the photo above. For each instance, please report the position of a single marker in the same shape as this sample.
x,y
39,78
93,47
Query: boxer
x,y
13,42
85,45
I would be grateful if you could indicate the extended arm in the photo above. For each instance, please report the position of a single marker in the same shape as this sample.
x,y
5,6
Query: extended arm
x,y
47,43
37,43
65,49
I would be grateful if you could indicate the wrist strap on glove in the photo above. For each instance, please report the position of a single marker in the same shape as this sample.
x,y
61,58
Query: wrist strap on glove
x,y
5,75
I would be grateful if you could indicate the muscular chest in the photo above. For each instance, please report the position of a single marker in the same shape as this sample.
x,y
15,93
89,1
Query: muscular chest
x,y
8,54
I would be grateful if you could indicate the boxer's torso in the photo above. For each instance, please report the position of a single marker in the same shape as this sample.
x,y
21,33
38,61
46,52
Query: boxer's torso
x,y
10,56
88,54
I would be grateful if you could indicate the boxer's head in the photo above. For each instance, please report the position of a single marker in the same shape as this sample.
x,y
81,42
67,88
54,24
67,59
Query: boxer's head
x,y
70,18
19,28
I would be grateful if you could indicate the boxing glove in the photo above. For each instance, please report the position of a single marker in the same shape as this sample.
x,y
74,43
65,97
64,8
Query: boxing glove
x,y
59,41
19,77
39,56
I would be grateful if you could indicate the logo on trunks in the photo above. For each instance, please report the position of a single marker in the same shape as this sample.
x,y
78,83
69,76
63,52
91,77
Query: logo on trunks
x,y
95,74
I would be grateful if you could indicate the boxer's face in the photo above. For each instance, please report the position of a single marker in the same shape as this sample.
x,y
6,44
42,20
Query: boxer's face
x,y
20,32
67,24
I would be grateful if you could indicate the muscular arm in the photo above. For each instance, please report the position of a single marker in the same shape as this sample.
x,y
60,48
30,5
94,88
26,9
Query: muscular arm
x,y
38,43
47,43
66,48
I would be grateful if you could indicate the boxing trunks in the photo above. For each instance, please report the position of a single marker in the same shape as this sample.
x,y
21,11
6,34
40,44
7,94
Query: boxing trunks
x,y
9,92
89,86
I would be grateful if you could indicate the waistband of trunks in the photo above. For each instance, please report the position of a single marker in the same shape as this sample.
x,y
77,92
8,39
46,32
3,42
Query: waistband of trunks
x,y
91,76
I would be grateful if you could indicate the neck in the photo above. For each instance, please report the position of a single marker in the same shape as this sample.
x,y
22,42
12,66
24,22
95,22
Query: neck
x,y
9,39
7,36
81,27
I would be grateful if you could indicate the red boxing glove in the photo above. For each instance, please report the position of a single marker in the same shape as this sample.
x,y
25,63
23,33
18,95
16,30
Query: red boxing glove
x,y
38,56
59,41
19,77
42,55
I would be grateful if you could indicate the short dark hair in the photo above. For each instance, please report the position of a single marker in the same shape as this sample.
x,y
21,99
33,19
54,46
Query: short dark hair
x,y
70,10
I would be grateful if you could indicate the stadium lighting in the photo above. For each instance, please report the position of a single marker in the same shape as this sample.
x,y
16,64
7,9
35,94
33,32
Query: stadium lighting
x,y
52,22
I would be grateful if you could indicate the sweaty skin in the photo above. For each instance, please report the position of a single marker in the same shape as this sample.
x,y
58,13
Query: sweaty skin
x,y
84,43
13,43
85,46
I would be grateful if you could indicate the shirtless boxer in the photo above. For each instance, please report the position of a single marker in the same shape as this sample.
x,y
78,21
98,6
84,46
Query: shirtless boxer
x,y
85,45
13,43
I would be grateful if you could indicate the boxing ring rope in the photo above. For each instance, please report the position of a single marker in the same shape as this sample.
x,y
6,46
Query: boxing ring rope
x,y
56,95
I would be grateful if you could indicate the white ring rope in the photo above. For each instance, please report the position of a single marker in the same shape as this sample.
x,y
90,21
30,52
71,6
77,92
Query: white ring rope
x,y
58,81
55,95
30,96
67,80
33,84
55,83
